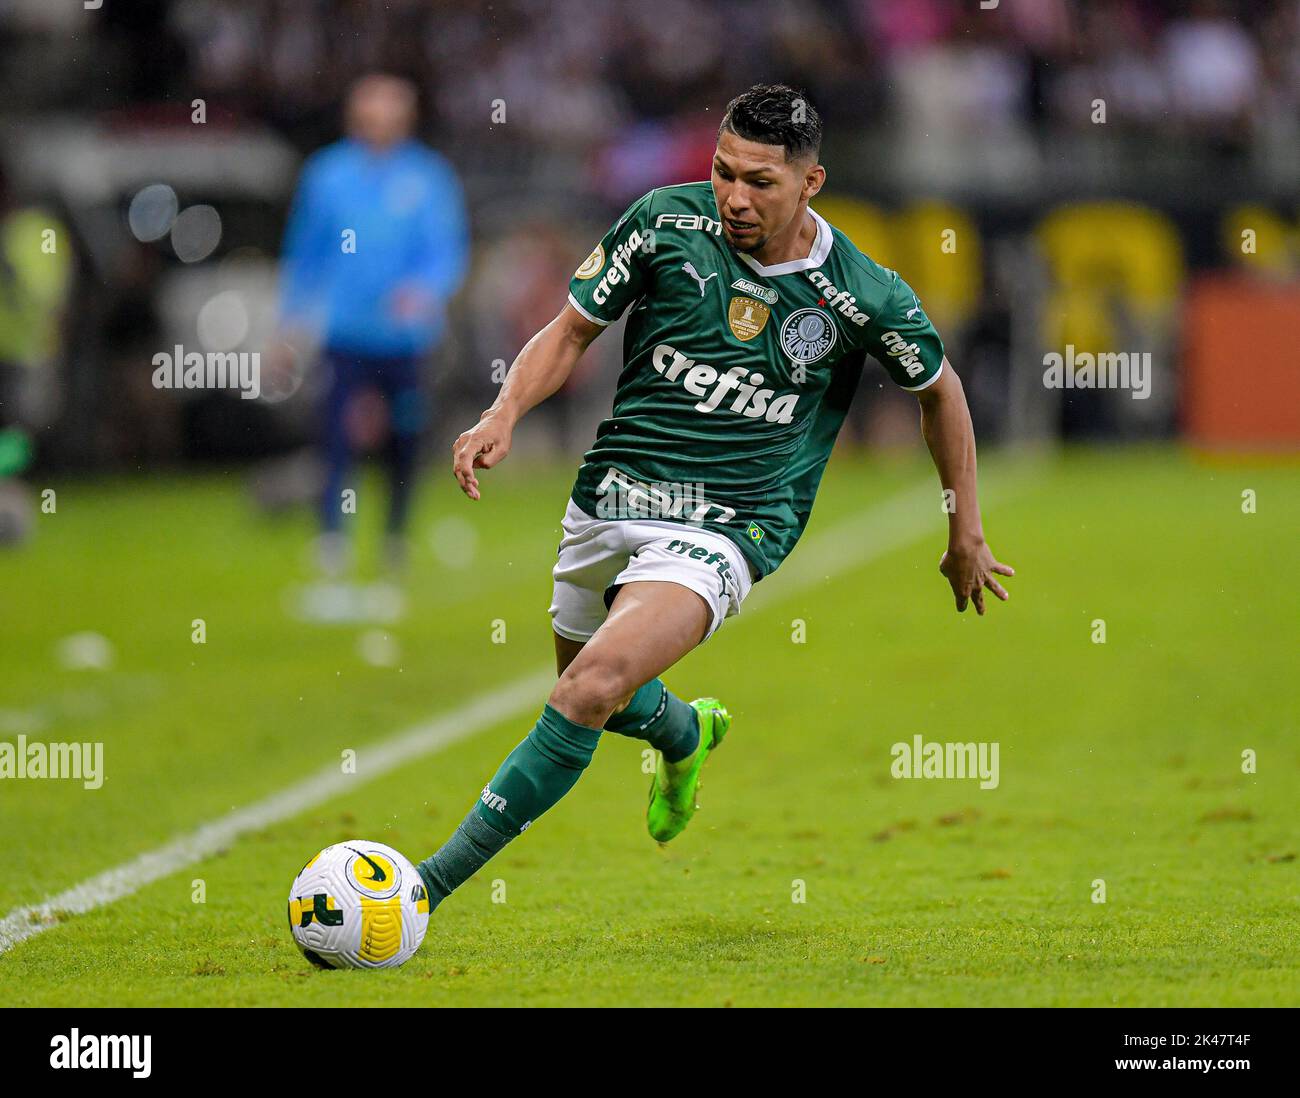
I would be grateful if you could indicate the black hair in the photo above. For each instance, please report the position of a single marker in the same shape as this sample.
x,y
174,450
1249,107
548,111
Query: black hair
x,y
775,114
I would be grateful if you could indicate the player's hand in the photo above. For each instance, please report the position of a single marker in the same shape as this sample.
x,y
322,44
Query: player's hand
x,y
481,447
970,569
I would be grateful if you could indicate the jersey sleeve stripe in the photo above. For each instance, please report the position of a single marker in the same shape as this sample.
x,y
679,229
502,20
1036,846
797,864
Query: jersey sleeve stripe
x,y
925,384
595,319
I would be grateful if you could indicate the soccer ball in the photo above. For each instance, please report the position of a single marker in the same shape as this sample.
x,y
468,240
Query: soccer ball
x,y
358,904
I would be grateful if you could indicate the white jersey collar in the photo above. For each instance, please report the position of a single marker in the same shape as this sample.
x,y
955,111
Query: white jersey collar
x,y
821,248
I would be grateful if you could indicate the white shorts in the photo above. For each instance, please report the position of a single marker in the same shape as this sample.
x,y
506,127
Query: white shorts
x,y
597,555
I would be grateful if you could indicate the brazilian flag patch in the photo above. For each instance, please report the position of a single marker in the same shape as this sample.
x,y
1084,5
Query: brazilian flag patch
x,y
754,533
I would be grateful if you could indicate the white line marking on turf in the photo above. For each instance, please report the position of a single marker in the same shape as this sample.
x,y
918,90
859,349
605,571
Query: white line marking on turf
x,y
874,532
865,536
376,760
855,541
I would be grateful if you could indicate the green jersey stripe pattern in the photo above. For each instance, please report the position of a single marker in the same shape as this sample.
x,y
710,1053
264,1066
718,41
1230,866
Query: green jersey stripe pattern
x,y
736,377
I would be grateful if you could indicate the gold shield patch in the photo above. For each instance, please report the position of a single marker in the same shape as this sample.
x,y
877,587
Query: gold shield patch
x,y
592,264
746,317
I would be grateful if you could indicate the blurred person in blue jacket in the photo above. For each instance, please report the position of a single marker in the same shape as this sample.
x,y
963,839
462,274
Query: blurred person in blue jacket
x,y
376,245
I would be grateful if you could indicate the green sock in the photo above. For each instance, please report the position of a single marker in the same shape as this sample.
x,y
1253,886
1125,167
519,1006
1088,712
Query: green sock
x,y
658,716
535,775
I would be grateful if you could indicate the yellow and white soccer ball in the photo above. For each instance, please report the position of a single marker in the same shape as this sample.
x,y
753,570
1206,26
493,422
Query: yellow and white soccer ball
x,y
358,904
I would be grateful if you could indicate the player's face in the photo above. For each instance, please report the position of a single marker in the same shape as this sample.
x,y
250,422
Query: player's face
x,y
758,191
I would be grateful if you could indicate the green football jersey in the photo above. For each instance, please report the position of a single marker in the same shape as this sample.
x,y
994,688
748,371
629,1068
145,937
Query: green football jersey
x,y
736,377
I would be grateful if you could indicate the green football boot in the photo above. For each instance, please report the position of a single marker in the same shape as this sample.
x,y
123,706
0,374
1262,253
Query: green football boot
x,y
672,792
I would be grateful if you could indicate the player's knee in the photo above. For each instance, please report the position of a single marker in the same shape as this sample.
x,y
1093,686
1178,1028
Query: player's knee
x,y
589,691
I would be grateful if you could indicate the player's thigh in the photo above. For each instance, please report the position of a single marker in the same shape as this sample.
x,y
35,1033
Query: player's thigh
x,y
651,625
566,651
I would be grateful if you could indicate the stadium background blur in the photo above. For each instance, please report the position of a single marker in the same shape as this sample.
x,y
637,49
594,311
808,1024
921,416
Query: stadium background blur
x,y
158,615
944,123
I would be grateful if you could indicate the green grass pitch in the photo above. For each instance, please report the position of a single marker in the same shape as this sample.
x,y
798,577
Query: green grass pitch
x,y
1119,762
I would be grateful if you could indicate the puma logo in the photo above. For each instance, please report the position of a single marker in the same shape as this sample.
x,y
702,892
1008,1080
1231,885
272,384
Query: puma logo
x,y
916,307
689,268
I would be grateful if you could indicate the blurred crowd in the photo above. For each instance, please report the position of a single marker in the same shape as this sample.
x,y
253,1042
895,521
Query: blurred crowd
x,y
556,113
576,77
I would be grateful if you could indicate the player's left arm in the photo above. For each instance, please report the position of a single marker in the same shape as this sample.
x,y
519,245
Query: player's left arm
x,y
968,565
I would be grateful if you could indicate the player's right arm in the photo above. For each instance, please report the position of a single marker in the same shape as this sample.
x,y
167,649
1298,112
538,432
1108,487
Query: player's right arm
x,y
903,339
613,276
539,370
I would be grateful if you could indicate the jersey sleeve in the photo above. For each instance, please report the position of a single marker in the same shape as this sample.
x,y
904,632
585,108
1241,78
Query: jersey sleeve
x,y
903,339
615,274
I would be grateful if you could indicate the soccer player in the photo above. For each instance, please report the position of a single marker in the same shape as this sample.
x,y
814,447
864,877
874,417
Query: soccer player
x,y
750,320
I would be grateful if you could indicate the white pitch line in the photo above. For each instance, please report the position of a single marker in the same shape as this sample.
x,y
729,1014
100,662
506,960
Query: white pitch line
x,y
865,536
870,534
376,760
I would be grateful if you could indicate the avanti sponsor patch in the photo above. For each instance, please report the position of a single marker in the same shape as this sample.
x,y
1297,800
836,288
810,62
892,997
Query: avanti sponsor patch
x,y
753,289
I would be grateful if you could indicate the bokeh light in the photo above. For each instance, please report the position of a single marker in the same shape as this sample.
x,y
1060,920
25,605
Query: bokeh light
x,y
196,233
152,212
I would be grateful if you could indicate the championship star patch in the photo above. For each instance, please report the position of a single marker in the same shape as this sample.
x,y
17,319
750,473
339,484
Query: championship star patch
x,y
746,317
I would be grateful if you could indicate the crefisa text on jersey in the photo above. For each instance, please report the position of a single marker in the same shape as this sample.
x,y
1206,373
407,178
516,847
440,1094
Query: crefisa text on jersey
x,y
905,352
841,301
750,400
618,269
622,496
